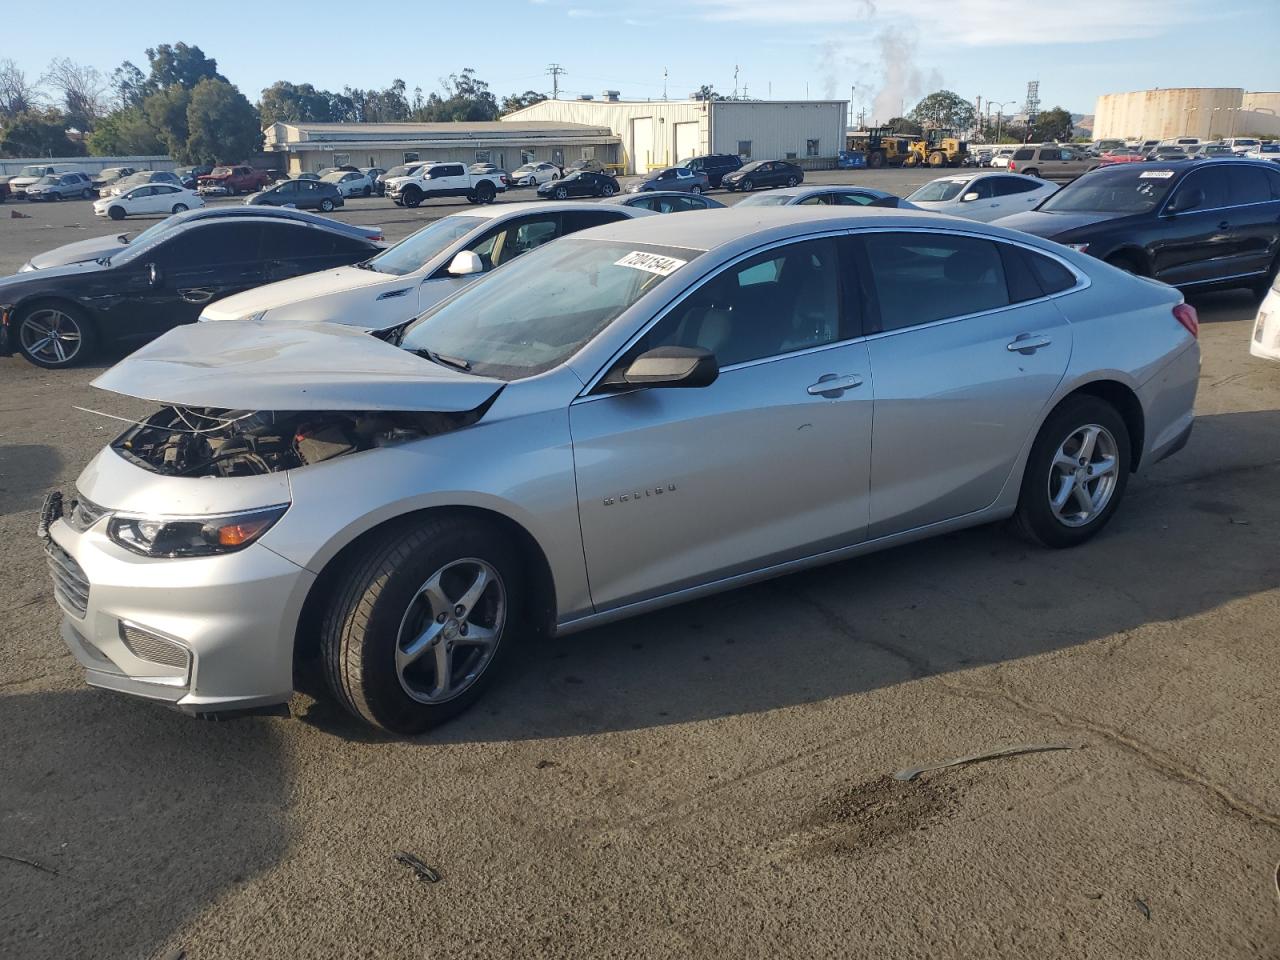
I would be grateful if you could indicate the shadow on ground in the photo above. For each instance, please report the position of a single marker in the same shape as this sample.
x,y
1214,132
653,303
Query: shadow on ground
x,y
27,470
1185,541
145,816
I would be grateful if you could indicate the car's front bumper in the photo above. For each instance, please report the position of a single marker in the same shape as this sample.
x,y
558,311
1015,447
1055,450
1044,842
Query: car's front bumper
x,y
205,635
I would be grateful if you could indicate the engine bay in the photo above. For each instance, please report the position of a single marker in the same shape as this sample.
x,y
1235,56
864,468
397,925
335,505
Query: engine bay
x,y
210,442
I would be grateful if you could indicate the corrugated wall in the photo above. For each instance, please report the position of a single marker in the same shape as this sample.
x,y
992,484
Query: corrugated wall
x,y
780,130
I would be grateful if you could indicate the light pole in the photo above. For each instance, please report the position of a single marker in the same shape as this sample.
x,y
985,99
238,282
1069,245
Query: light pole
x,y
1186,127
999,113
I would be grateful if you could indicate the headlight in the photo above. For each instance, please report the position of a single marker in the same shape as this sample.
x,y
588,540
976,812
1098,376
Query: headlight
x,y
1078,247
253,317
192,536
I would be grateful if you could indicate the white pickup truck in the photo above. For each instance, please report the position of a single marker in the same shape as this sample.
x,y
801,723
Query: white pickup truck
x,y
446,180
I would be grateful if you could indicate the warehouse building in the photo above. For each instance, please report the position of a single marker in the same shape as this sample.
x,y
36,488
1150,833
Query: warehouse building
x,y
660,133
308,147
1209,113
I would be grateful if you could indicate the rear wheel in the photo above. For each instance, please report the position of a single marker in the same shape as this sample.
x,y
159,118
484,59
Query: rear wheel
x,y
1076,473
1126,262
54,335
1032,172
179,207
1262,286
608,190
326,205
695,189
116,213
420,621
86,194
368,191
485,192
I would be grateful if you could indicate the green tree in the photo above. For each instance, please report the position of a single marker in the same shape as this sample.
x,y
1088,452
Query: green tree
x,y
180,65
1052,124
125,133
465,99
166,112
518,101
128,85
295,103
38,133
706,92
223,124
944,109
904,127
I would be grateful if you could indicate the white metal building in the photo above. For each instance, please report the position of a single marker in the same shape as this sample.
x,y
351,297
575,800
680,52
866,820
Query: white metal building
x,y
660,133
314,146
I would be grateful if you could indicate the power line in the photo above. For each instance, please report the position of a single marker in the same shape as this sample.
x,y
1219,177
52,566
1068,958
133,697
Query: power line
x,y
556,71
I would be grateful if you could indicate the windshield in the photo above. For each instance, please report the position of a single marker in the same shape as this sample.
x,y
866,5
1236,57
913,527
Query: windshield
x,y
550,303
416,249
752,166
47,181
1269,148
1126,189
938,191
221,172
766,200
31,172
334,177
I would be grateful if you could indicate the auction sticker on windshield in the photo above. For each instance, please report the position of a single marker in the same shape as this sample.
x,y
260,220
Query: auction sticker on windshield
x,y
1155,175
651,263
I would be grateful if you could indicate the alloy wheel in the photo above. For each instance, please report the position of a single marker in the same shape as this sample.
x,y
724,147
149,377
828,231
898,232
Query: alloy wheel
x,y
451,631
50,335
1083,475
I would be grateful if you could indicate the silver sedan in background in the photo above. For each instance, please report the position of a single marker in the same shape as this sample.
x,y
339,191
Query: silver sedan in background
x,y
629,417
826,196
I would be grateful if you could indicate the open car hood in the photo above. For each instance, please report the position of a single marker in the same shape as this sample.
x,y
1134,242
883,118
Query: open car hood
x,y
247,365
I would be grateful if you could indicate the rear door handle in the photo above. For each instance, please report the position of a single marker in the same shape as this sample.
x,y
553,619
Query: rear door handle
x,y
1026,343
830,385
1224,225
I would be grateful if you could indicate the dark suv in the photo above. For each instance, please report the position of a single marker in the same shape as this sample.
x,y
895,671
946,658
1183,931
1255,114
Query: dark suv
x,y
714,165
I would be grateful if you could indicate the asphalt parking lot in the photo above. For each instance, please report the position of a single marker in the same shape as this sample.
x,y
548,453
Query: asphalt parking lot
x,y
713,780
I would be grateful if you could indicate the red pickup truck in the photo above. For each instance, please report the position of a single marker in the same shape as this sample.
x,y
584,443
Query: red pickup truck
x,y
233,180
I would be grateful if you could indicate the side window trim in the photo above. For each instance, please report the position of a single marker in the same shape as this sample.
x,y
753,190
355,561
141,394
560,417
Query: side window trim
x,y
873,332
588,391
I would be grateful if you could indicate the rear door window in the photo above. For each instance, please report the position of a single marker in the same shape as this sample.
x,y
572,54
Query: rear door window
x,y
1025,154
1007,186
924,277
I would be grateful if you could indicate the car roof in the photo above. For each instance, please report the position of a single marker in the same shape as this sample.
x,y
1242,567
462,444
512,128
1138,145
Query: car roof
x,y
502,210
818,190
274,213
751,226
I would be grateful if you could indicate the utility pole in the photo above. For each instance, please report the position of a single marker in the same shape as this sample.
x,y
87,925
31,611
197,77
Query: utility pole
x,y
664,83
735,81
556,71
852,91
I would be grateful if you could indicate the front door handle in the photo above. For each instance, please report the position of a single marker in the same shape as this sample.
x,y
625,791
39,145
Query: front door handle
x,y
831,386
1224,225
1026,343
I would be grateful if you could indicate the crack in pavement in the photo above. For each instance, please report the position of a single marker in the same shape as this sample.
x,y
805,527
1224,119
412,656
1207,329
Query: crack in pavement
x,y
1151,757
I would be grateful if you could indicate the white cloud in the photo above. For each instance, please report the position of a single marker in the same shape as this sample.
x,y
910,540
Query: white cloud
x,y
973,23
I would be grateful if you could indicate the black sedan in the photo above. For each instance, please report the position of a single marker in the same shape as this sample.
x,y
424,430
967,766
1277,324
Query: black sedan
x,y
580,183
667,201
763,173
80,251
303,194
60,316
1192,223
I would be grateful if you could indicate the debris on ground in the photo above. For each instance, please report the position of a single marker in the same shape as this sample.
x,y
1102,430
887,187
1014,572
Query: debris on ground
x,y
1239,523
425,873
910,773
1142,905
30,863
15,215
543,764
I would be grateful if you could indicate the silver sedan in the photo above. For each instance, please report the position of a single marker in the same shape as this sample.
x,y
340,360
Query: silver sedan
x,y
626,418
826,196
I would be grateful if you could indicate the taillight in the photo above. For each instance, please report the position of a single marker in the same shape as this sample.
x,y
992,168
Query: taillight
x,y
1186,315
1012,166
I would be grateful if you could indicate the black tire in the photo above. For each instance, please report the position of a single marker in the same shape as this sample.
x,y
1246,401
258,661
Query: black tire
x,y
1035,518
368,191
875,160
326,205
86,194
792,181
179,208
1262,286
361,627
560,193
116,213
472,198
608,190
412,197
1033,172
485,192
83,327
695,189
747,185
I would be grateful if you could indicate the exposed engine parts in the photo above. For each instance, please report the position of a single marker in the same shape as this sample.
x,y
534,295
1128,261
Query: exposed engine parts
x,y
209,442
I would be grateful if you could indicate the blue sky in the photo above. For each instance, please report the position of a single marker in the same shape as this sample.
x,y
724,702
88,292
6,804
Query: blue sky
x,y
891,51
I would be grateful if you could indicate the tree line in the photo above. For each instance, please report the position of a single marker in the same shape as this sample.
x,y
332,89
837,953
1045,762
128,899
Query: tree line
x,y
182,106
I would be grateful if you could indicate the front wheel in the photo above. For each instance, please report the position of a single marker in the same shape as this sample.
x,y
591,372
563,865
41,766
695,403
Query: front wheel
x,y
412,198
695,189
54,335
792,181
419,624
748,186
561,193
86,194
368,191
1076,473
116,213
326,205
179,208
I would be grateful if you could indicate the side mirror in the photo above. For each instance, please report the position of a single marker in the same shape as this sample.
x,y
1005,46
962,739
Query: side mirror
x,y
971,195
467,263
1185,200
155,276
672,367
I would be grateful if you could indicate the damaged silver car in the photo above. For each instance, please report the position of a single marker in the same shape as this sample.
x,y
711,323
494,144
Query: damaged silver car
x,y
636,415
